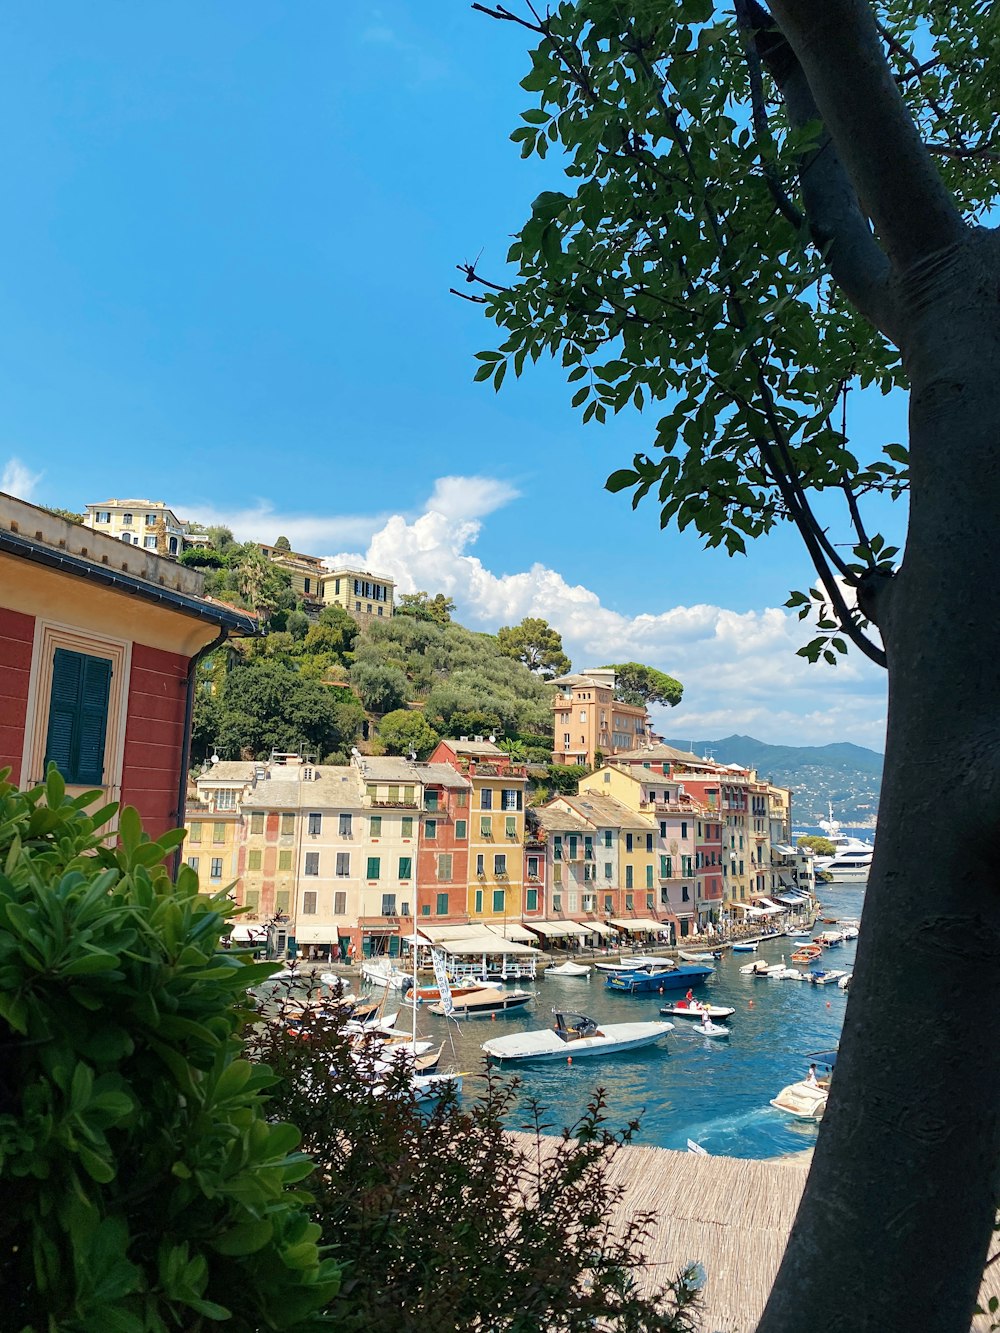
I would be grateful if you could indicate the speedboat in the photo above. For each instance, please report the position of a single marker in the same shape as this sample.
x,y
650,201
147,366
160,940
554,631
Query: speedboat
x,y
573,1035
483,1003
659,979
807,1100
568,969
746,946
382,972
693,1009
710,1029
428,994
632,964
826,976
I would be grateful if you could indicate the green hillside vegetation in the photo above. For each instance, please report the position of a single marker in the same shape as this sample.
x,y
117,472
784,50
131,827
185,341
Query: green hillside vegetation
x,y
321,686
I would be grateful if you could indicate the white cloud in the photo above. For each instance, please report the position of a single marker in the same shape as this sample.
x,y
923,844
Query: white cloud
x,y
18,479
740,670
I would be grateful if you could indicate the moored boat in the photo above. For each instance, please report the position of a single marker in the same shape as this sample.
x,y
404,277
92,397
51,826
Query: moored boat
x,y
808,953
382,972
483,1003
746,946
574,1035
568,969
672,978
694,1009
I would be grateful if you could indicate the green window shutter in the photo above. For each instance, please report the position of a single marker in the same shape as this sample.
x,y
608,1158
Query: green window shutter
x,y
649,877
531,903
253,859
78,716
461,830
374,865
479,900
405,867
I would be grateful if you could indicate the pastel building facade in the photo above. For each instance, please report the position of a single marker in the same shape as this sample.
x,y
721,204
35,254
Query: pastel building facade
x,y
588,721
365,595
138,523
496,827
98,648
443,853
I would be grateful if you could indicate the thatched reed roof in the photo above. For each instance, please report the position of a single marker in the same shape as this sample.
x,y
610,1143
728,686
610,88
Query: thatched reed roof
x,y
730,1214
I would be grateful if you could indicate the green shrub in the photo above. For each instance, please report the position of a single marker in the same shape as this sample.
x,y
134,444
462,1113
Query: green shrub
x,y
144,1187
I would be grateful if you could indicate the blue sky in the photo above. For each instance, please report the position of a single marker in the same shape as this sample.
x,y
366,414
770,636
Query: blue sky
x,y
229,236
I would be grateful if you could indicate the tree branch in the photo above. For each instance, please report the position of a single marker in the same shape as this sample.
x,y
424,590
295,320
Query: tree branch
x,y
762,130
837,223
839,51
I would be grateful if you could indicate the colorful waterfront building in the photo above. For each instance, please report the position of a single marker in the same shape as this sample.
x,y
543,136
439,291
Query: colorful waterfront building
x,y
588,722
392,810
99,644
496,826
443,853
670,882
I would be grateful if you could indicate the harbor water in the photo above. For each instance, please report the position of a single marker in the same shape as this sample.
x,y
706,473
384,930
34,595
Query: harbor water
x,y
714,1092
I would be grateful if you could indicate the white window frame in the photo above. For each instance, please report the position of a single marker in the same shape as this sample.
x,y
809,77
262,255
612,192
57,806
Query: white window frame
x,y
48,636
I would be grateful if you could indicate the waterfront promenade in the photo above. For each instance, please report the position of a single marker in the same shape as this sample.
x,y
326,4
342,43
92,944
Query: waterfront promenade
x,y
732,1215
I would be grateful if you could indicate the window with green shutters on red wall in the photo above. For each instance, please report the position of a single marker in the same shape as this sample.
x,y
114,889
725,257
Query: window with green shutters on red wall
x,y
78,716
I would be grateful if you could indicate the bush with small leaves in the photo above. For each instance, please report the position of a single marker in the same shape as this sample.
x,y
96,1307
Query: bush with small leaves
x,y
145,1187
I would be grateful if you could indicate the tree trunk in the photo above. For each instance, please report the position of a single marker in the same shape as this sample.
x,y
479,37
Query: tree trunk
x,y
895,1222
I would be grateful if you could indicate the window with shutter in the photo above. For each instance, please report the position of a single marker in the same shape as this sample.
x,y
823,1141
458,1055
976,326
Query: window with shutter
x,y
78,716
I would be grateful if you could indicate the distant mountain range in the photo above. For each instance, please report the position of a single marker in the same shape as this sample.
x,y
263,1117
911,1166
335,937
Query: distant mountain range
x,y
846,776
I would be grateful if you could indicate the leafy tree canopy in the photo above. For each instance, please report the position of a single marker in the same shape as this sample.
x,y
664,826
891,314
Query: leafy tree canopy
x,y
438,608
535,643
638,684
821,846
407,730
264,704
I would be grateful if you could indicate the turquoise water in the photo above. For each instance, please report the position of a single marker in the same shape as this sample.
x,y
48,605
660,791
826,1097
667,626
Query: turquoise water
x,y
689,1086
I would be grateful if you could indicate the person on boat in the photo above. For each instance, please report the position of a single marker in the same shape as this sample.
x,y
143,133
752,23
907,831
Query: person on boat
x,y
811,1080
689,998
706,1022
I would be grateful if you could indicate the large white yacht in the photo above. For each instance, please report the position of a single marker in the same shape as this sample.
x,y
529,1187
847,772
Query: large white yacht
x,y
852,859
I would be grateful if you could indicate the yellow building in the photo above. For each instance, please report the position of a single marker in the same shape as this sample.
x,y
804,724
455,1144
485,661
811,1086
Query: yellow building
x,y
367,596
135,522
305,571
496,826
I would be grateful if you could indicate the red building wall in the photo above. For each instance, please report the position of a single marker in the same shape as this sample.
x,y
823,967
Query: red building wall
x,y
154,736
428,884
16,635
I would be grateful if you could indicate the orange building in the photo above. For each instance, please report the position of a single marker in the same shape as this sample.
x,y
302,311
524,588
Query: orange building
x,y
587,719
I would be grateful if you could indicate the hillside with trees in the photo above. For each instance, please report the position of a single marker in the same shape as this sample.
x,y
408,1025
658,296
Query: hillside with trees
x,y
322,684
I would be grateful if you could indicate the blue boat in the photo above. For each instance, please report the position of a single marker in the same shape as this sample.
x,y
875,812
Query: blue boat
x,y
673,978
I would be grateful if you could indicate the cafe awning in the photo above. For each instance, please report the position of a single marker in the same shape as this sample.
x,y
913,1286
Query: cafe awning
x,y
244,933
750,911
638,923
769,906
598,928
513,931
554,929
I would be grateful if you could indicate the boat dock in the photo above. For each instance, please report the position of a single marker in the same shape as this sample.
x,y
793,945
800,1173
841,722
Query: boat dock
x,y
732,1215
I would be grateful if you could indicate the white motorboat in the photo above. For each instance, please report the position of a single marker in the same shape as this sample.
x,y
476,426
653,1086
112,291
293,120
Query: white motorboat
x,y
715,1030
634,964
688,1009
574,1035
483,1003
568,970
826,976
805,1101
383,972
845,981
